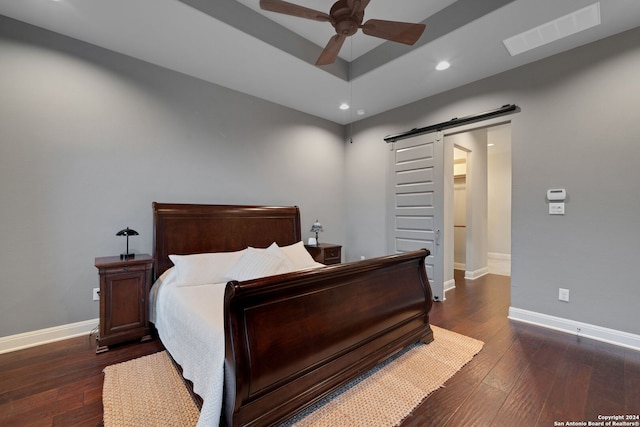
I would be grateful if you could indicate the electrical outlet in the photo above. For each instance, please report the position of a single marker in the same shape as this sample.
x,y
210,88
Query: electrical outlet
x,y
361,257
96,294
563,294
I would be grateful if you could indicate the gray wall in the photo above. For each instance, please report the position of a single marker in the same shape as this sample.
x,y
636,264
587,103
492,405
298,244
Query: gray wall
x,y
90,138
578,129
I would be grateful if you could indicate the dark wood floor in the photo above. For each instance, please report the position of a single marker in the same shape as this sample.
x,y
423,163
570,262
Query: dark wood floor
x,y
524,376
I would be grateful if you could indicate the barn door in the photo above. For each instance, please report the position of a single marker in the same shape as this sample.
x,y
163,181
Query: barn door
x,y
416,202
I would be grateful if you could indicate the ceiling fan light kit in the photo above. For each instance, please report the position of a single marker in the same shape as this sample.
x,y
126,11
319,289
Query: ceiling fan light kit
x,y
346,16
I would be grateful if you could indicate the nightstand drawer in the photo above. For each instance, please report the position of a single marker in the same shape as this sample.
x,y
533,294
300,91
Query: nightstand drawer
x,y
123,269
325,253
333,254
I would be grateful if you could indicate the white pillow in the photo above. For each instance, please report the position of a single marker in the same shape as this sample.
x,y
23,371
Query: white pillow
x,y
287,263
200,269
256,263
299,255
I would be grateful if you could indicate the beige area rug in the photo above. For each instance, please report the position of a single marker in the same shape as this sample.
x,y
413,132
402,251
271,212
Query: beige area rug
x,y
149,392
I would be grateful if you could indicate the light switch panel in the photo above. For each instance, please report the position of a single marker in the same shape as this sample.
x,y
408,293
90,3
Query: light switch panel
x,y
556,208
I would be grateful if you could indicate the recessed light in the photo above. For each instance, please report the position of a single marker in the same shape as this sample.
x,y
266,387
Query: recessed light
x,y
360,112
344,106
442,65
489,145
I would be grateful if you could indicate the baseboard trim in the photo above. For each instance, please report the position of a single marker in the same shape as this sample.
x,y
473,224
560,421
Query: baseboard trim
x,y
499,263
498,255
599,333
44,336
472,275
449,284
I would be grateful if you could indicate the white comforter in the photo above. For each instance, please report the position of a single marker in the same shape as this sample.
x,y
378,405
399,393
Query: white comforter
x,y
189,315
190,324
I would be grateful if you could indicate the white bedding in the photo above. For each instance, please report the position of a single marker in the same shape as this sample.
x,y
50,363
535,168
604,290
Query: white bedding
x,y
189,318
190,324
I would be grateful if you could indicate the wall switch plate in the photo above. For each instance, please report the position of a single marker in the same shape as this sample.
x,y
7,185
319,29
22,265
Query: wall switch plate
x,y
556,208
96,294
563,294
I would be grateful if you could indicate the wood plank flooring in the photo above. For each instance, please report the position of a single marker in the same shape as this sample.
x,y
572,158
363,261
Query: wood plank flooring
x,y
524,376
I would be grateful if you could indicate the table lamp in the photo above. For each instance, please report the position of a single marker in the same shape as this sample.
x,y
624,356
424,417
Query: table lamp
x,y
315,228
127,232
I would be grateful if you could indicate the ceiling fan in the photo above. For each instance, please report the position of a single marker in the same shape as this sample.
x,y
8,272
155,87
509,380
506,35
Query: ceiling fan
x,y
346,17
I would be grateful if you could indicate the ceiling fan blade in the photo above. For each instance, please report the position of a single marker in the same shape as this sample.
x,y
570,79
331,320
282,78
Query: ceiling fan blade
x,y
330,52
401,32
287,8
357,6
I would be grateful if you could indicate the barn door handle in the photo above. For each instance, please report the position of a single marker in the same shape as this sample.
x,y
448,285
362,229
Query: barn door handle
x,y
437,237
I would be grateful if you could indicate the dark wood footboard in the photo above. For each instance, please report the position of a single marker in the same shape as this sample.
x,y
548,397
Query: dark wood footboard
x,y
294,338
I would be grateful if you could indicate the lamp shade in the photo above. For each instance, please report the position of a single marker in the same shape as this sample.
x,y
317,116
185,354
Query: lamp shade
x,y
316,227
127,232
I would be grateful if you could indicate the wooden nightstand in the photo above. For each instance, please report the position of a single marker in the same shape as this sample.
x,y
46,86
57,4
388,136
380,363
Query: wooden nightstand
x,y
124,311
325,253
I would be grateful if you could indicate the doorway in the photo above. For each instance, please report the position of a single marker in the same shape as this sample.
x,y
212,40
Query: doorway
x,y
479,202
420,191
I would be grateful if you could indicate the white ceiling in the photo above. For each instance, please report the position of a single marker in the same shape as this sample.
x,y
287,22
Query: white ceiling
x,y
235,44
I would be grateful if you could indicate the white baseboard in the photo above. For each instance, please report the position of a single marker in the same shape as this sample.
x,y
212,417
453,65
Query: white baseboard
x,y
44,336
498,255
459,266
611,336
449,284
472,275
499,263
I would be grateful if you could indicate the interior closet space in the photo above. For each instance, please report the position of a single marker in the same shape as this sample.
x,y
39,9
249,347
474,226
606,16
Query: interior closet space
x,y
459,208
481,201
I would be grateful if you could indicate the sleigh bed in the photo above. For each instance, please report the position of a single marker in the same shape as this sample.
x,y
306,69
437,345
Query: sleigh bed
x,y
285,341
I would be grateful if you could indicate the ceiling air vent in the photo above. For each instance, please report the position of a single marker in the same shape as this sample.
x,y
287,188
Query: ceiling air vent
x,y
554,30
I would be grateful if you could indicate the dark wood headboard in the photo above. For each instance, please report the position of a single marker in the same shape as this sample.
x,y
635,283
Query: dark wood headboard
x,y
183,229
